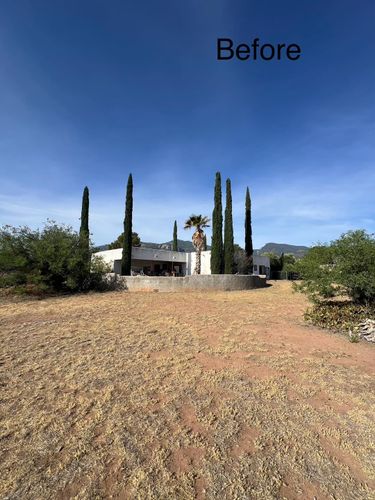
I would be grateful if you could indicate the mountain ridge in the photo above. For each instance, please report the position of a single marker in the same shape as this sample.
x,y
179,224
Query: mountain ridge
x,y
187,246
279,248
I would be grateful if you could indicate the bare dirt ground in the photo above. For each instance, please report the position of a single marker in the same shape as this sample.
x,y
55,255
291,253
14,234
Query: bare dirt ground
x,y
186,395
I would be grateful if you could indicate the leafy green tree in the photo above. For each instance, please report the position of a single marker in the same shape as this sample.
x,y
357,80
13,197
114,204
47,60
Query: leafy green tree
x,y
275,261
248,227
288,262
128,221
242,263
217,254
48,260
284,262
346,267
60,263
175,242
17,255
119,241
228,232
197,222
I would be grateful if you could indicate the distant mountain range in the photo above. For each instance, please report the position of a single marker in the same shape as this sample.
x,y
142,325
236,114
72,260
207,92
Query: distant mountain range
x,y
187,246
279,248
183,245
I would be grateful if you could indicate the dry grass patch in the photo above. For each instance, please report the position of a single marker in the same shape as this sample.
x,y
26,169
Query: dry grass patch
x,y
196,395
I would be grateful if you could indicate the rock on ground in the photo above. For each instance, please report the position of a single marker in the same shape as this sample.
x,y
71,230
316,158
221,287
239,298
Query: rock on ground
x,y
366,330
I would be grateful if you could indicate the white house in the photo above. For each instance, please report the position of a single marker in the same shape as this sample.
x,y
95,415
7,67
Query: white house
x,y
261,265
150,261
156,262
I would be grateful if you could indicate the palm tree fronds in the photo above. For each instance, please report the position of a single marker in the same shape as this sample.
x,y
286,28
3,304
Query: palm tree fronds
x,y
196,221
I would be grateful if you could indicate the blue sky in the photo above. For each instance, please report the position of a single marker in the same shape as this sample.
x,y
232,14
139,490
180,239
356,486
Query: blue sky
x,y
91,91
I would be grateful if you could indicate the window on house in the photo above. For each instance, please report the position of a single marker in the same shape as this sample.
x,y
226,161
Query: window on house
x,y
255,267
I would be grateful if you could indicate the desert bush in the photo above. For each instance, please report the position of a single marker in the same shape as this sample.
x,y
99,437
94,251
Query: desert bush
x,y
353,337
288,262
339,316
101,279
50,260
346,267
60,261
17,256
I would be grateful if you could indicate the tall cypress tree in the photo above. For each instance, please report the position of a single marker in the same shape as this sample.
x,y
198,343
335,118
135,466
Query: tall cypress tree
x,y
128,222
175,242
204,246
248,230
228,232
217,230
84,233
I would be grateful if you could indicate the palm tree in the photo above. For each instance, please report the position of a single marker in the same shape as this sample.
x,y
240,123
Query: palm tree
x,y
197,222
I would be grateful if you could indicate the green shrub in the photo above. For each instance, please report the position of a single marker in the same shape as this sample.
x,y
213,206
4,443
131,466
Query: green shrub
x,y
346,267
99,281
50,260
276,264
60,261
17,256
353,337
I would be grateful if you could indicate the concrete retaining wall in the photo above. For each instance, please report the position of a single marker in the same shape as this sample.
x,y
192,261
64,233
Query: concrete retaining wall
x,y
224,282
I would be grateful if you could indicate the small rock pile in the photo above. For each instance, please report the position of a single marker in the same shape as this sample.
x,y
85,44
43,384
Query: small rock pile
x,y
366,330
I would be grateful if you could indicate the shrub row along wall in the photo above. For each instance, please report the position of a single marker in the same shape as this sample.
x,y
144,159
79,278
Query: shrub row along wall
x,y
225,282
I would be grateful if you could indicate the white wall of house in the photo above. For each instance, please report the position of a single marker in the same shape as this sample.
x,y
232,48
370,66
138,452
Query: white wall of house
x,y
185,260
261,265
109,256
142,255
205,262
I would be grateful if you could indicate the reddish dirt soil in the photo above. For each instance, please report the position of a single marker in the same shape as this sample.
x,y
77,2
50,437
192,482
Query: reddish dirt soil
x,y
186,395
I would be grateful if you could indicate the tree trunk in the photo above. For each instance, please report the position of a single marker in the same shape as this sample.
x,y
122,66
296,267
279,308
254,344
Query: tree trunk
x,y
197,269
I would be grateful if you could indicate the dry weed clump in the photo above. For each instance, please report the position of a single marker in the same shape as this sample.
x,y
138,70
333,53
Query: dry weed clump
x,y
197,395
339,315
